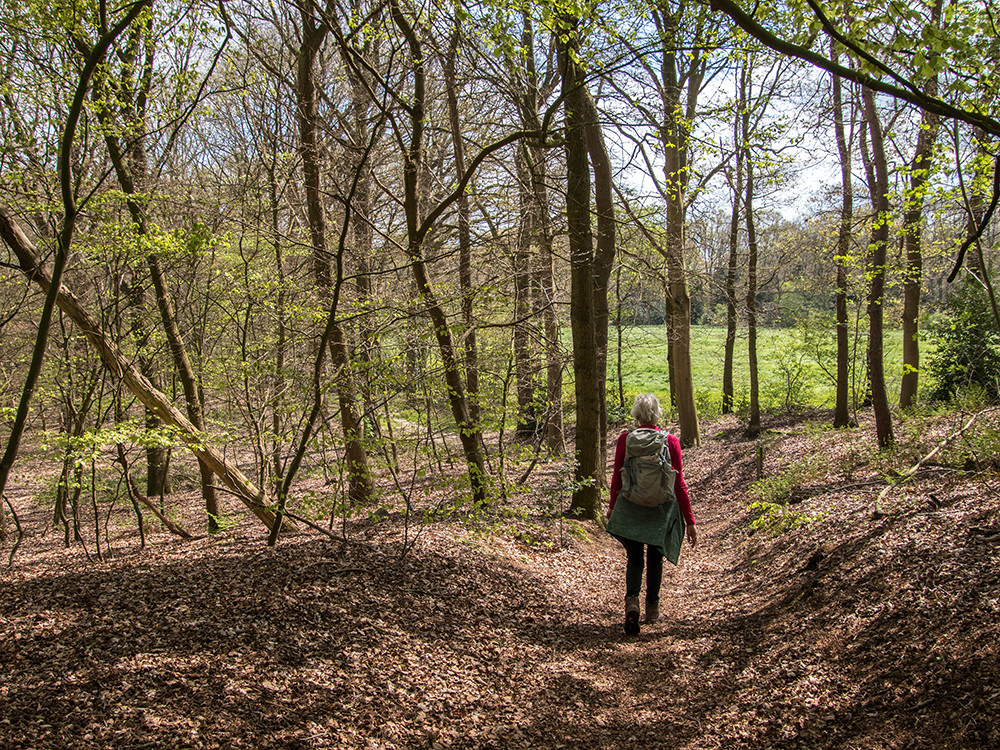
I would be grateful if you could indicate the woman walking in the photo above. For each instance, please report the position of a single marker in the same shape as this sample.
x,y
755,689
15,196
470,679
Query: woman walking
x,y
648,531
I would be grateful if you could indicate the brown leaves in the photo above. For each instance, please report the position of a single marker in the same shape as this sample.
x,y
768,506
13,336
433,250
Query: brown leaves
x,y
842,633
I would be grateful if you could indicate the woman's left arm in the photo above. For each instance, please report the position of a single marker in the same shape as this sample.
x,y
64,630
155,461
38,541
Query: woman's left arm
x,y
616,473
680,486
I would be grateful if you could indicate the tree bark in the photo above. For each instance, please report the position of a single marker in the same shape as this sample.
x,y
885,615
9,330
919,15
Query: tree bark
x,y
912,233
468,428
675,139
526,363
469,347
876,271
542,223
920,168
728,395
842,414
604,255
589,440
753,426
358,474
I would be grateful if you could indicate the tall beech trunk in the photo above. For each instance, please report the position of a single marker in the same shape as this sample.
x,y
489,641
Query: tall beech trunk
x,y
329,284
728,394
604,250
920,168
468,428
753,426
876,272
542,224
124,371
363,134
912,232
842,413
470,351
589,441
525,360
281,314
679,101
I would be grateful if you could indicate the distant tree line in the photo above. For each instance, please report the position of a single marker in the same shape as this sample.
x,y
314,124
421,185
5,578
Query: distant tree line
x,y
364,239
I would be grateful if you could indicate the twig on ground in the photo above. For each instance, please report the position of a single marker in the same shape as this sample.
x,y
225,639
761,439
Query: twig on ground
x,y
134,494
908,474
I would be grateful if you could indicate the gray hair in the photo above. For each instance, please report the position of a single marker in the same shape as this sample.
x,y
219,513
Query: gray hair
x,y
646,409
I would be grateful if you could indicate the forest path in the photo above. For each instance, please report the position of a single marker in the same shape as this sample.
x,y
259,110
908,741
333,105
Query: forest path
x,y
506,632
671,686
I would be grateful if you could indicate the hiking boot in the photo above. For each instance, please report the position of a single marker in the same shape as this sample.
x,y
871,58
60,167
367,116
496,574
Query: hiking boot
x,y
652,611
631,615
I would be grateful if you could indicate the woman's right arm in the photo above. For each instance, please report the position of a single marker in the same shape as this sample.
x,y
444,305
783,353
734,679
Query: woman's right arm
x,y
616,474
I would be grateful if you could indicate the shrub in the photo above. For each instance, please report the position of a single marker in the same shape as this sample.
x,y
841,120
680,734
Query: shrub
x,y
775,519
967,354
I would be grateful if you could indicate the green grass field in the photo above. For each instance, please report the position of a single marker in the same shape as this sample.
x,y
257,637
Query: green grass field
x,y
795,366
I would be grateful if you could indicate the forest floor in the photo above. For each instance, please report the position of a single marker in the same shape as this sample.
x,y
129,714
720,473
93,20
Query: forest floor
x,y
846,629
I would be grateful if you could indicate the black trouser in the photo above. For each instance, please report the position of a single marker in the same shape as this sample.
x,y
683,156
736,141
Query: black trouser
x,y
652,559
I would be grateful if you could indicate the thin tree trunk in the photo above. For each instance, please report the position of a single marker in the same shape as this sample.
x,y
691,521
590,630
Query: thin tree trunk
x,y
277,407
469,347
876,271
363,135
604,255
753,427
675,138
920,167
912,232
542,223
842,415
728,395
589,440
468,428
358,474
525,364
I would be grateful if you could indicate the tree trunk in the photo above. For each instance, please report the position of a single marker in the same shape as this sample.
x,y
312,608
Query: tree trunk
x,y
728,394
753,426
912,232
525,363
876,271
468,428
675,139
920,168
842,415
157,473
467,288
542,223
189,383
589,441
363,135
604,256
358,474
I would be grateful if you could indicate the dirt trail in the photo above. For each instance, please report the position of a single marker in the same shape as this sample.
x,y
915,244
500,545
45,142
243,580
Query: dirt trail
x,y
847,632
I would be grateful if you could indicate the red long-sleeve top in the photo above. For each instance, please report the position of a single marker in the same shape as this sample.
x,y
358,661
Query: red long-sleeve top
x,y
680,487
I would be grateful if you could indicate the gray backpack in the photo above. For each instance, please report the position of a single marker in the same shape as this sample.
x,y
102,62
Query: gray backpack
x,y
647,474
